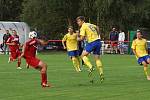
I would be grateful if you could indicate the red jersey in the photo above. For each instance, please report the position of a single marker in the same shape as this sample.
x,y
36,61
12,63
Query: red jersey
x,y
13,39
30,48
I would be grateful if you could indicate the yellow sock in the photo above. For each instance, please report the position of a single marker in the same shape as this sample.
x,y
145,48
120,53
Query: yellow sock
x,y
146,71
87,62
76,63
99,66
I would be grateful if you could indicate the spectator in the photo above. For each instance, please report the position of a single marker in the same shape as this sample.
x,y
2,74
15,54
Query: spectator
x,y
121,39
5,38
113,40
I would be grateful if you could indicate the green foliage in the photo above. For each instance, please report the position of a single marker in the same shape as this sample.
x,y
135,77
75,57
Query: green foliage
x,y
51,17
10,10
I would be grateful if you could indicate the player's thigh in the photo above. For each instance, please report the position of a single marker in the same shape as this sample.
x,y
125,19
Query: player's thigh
x,y
148,60
144,63
42,65
84,53
96,57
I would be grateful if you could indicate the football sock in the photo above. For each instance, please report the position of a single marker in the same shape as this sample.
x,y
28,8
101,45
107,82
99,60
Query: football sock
x,y
19,63
87,62
76,63
99,66
44,78
146,71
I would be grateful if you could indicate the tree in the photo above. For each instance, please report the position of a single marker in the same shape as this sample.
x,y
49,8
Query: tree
x,y
10,10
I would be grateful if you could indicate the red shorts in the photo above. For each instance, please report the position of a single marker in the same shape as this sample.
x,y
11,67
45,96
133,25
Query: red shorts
x,y
113,44
14,54
32,61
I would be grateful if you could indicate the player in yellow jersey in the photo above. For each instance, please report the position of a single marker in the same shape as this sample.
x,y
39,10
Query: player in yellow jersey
x,y
90,32
71,44
139,46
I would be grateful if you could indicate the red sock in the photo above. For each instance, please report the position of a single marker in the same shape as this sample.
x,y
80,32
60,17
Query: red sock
x,y
19,63
11,59
44,78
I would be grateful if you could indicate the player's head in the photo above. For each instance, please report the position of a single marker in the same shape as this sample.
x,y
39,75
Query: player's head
x,y
70,29
113,29
7,31
32,35
139,35
80,20
14,32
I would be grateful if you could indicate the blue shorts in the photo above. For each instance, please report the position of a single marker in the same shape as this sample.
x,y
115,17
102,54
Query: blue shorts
x,y
94,46
144,58
73,53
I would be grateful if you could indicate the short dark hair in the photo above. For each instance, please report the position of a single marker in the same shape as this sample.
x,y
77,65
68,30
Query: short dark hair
x,y
82,18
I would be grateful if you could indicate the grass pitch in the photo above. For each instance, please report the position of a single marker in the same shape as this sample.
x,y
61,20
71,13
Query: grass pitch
x,y
124,80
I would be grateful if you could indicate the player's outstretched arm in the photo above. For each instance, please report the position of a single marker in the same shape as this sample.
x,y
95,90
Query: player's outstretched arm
x,y
43,42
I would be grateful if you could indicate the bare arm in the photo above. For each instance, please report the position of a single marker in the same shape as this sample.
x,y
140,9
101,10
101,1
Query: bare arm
x,y
98,30
10,43
146,47
63,43
42,42
80,38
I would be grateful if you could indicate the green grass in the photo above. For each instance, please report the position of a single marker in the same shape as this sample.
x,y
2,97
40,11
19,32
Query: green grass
x,y
124,80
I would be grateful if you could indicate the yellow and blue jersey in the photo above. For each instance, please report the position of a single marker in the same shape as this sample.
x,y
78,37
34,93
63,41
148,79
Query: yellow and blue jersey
x,y
140,46
89,31
71,41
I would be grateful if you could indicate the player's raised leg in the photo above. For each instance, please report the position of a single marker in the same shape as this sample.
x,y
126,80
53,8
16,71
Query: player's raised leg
x,y
43,69
86,59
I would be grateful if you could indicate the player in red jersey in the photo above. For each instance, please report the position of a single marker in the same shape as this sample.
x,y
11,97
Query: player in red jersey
x,y
29,53
14,45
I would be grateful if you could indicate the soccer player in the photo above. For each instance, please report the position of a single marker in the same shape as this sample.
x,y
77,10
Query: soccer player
x,y
14,45
139,47
70,43
90,32
29,53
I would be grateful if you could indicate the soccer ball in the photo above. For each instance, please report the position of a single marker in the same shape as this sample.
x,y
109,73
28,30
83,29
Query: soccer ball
x,y
32,34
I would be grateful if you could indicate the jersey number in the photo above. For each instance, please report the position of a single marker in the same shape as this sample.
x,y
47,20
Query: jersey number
x,y
92,28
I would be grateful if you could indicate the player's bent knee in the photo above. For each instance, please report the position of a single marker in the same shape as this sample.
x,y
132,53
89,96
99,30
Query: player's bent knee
x,y
148,61
42,64
84,53
144,64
